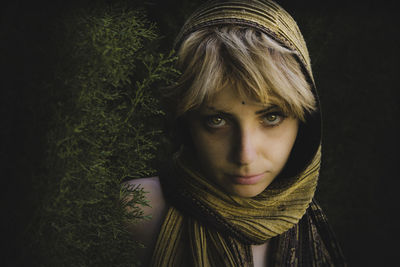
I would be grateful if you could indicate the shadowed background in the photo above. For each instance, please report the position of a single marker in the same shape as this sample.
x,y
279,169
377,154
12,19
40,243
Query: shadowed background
x,y
354,51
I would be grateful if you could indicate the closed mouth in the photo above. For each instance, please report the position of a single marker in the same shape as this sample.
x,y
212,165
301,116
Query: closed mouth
x,y
247,179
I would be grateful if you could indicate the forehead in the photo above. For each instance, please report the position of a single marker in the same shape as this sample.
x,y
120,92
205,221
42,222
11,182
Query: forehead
x,y
230,100
228,96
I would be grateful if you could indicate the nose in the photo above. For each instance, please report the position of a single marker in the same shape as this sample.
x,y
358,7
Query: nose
x,y
244,150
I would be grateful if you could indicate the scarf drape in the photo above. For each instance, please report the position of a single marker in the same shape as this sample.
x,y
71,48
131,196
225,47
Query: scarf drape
x,y
204,226
207,227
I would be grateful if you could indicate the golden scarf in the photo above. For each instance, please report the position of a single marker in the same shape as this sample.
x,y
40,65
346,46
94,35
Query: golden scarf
x,y
207,227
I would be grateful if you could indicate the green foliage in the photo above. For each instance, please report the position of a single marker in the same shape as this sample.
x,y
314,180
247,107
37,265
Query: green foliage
x,y
106,131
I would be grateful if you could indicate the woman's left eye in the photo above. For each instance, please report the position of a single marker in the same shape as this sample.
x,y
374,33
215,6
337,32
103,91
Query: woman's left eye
x,y
272,119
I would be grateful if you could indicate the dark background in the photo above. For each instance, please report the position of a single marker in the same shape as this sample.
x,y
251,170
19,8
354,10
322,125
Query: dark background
x,y
354,51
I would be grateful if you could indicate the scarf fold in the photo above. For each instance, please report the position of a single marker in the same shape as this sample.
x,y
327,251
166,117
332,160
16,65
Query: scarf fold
x,y
311,242
205,226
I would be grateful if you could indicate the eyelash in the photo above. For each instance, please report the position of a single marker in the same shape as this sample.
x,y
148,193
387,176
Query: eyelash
x,y
208,121
279,115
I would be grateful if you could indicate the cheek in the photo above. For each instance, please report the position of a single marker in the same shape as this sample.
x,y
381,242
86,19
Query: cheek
x,y
209,149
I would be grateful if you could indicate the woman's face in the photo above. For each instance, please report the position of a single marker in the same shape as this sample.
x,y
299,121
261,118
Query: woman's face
x,y
241,145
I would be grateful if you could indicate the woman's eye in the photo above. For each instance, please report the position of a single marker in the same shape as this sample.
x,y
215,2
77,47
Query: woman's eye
x,y
215,122
272,119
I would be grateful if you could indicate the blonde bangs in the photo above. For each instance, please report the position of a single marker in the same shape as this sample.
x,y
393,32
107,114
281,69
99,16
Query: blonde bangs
x,y
245,59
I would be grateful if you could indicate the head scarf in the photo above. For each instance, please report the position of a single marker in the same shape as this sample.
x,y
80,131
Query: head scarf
x,y
207,227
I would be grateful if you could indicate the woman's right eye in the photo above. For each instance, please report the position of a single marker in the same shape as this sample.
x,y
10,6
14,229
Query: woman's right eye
x,y
215,122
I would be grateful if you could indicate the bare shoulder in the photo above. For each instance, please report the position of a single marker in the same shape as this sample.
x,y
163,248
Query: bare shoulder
x,y
154,194
146,231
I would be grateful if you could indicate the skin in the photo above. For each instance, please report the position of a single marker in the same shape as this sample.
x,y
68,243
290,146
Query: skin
x,y
241,144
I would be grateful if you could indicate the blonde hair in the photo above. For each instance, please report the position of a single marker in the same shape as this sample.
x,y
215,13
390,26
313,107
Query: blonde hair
x,y
243,58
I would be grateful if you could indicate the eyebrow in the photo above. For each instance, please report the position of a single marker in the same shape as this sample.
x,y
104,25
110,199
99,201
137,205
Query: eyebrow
x,y
262,111
265,110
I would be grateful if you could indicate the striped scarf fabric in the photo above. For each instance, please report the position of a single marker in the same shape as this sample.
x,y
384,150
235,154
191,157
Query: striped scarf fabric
x,y
205,227
311,242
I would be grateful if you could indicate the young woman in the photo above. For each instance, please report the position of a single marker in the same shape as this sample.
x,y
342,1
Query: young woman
x,y
239,188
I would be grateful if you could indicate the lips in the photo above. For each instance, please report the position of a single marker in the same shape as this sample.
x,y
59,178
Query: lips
x,y
247,179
